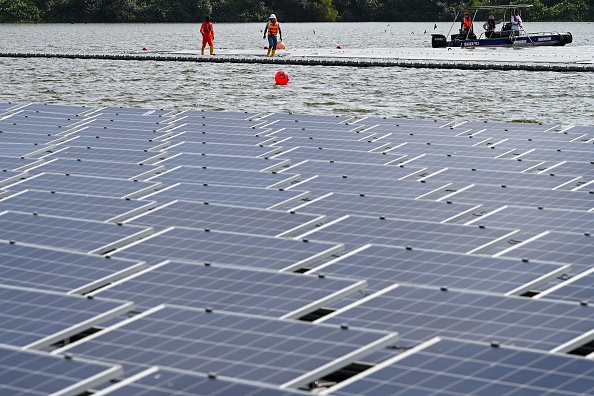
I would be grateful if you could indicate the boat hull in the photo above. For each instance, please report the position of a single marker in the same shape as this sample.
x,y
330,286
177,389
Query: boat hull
x,y
534,39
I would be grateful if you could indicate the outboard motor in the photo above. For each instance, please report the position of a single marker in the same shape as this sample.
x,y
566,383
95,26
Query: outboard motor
x,y
438,41
565,38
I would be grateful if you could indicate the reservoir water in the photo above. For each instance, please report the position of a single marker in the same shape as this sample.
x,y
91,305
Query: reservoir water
x,y
551,97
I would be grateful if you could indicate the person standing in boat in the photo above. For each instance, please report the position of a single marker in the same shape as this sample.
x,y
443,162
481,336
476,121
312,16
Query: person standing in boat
x,y
490,25
466,29
273,31
207,31
516,22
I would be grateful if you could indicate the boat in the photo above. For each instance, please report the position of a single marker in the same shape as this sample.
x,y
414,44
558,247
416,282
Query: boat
x,y
506,37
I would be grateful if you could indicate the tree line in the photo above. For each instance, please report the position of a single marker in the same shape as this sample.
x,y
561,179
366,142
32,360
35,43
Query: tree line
x,y
98,11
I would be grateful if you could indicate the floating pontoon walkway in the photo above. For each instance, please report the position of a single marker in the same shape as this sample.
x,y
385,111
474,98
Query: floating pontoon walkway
x,y
559,59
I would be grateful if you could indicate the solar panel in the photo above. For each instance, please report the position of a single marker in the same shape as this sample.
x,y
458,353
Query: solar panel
x,y
227,138
156,134
356,231
43,130
507,178
420,313
249,291
405,122
35,373
28,118
37,320
227,218
224,177
535,220
84,207
223,162
383,266
454,367
547,143
560,247
56,108
243,150
115,110
496,196
22,149
536,129
114,170
110,155
310,153
279,352
67,272
340,134
72,234
315,118
559,155
340,204
159,381
17,163
377,187
10,177
92,185
7,106
255,197
463,148
198,114
579,288
585,169
309,168
465,162
338,144
121,143
30,138
200,246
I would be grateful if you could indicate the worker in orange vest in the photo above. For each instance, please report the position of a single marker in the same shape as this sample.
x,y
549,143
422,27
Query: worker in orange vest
x,y
274,33
207,31
467,23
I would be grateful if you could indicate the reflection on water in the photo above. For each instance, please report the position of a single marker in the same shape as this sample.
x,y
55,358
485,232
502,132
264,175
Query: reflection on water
x,y
393,92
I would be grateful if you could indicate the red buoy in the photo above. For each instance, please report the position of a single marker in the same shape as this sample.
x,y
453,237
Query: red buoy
x,y
281,77
338,47
265,47
144,48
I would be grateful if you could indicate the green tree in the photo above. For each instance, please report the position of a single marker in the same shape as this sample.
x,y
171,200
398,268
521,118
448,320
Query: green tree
x,y
19,11
569,11
239,10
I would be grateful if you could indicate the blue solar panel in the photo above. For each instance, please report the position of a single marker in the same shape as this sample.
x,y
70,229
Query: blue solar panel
x,y
458,368
579,288
339,144
249,250
104,154
56,108
21,149
227,218
158,381
267,293
585,169
337,205
243,150
280,352
114,110
34,373
73,234
114,170
84,207
383,266
16,163
357,231
224,177
34,319
228,138
311,168
45,139
223,162
262,198
420,313
10,177
120,143
435,161
352,156
48,269
92,185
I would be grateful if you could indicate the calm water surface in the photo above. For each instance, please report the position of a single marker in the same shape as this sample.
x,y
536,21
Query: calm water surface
x,y
565,98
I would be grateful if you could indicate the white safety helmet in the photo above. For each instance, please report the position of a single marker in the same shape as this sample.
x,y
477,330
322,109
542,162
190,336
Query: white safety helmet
x,y
491,17
272,16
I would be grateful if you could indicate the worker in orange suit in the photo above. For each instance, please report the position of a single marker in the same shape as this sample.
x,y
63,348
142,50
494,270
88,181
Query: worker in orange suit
x,y
207,31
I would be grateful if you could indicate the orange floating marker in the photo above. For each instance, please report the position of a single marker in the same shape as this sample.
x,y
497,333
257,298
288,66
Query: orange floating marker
x,y
281,46
281,77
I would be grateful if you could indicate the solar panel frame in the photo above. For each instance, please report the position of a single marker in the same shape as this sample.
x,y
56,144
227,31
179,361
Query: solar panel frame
x,y
45,268
220,161
103,154
93,185
117,170
232,289
32,372
310,168
338,144
243,150
84,207
262,198
224,177
71,234
455,161
383,266
221,217
577,288
421,313
23,149
17,164
126,143
287,369
223,247
8,178
34,319
155,134
456,367
356,231
309,153
221,138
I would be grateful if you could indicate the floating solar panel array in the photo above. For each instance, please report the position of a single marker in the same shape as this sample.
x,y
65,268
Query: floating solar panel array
x,y
156,252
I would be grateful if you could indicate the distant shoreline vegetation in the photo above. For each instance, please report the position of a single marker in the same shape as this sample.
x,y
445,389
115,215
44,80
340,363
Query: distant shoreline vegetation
x,y
109,11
